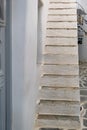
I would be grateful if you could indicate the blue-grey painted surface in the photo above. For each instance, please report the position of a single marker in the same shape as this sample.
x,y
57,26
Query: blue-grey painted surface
x,y
8,65
24,47
2,79
25,70
18,49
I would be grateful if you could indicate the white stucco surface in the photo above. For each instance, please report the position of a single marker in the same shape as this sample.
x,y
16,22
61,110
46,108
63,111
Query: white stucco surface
x,y
30,86
18,45
25,70
32,69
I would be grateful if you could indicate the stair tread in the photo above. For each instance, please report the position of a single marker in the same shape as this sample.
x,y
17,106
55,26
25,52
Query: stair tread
x,y
62,18
62,33
58,108
55,59
62,25
61,50
59,81
63,11
60,94
64,1
63,6
61,41
58,122
60,69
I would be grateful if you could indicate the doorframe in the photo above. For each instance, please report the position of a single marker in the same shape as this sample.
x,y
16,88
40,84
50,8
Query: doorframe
x,y
8,64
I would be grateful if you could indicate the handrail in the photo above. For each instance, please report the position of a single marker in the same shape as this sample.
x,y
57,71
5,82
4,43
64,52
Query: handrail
x,y
82,7
82,29
83,18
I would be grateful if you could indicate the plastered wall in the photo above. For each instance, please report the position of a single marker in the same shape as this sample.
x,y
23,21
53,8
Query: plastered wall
x,y
25,70
18,45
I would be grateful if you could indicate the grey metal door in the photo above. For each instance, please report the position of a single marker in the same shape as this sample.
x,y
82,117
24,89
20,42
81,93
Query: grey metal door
x,y
2,78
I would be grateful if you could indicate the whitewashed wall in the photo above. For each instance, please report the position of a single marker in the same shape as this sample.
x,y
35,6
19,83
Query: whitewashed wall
x,y
30,86
25,69
83,47
42,21
18,45
32,68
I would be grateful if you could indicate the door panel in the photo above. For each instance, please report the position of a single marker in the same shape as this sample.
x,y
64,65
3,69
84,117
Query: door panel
x,y
2,78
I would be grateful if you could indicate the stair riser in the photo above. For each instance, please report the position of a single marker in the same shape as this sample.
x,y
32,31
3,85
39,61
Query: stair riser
x,y
61,41
63,18
58,123
60,59
62,33
62,25
49,108
63,12
61,50
55,81
60,70
60,94
69,1
63,6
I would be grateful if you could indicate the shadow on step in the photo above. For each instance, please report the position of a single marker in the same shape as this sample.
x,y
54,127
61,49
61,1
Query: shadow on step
x,y
50,129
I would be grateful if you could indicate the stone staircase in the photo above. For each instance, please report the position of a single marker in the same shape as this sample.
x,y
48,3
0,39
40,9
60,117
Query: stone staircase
x,y
58,106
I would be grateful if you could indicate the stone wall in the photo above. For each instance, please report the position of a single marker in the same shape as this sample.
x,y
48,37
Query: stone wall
x,y
83,94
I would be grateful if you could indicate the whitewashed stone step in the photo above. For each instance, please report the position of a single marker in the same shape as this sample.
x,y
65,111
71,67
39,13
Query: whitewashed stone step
x,y
63,6
61,33
58,108
58,101
62,18
61,50
57,122
60,70
62,25
63,12
53,59
69,1
61,41
64,94
60,81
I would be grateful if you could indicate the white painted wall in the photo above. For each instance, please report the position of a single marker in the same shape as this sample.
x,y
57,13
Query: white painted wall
x,y
18,45
30,86
42,21
83,47
32,69
25,70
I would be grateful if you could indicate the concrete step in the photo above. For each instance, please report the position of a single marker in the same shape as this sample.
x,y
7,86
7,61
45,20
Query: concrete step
x,y
60,81
60,70
58,101
60,94
61,41
55,59
62,12
58,18
62,25
61,50
58,108
63,1
61,33
63,122
63,6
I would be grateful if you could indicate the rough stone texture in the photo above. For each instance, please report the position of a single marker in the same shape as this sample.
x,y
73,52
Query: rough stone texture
x,y
83,94
62,1
57,129
58,102
58,18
